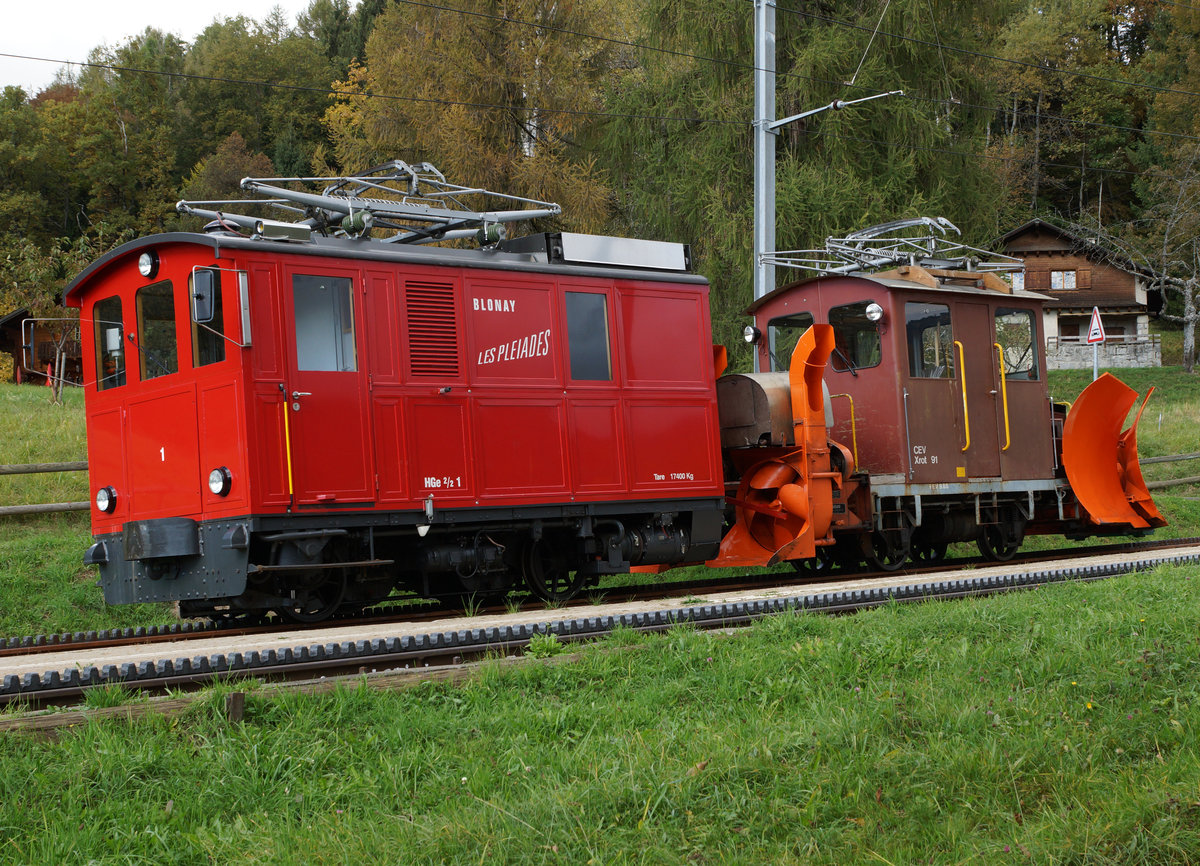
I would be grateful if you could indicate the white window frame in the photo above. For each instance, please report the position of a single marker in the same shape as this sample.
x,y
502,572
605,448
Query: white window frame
x,y
1062,281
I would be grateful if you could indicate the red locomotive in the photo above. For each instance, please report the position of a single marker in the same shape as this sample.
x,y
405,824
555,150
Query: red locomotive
x,y
297,417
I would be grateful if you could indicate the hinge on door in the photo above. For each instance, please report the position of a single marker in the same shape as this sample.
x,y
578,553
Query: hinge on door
x,y
377,482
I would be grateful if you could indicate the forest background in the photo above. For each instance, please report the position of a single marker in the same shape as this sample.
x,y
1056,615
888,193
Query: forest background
x,y
636,116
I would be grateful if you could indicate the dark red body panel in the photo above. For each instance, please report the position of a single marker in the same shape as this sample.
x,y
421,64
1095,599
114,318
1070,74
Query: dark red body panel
x,y
914,426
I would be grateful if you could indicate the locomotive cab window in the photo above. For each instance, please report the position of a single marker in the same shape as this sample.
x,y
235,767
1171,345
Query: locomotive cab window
x,y
157,347
208,318
856,341
785,332
930,340
1016,335
324,323
110,343
587,337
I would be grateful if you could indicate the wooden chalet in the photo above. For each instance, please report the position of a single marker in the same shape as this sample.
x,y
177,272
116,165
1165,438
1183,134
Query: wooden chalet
x,y
1079,276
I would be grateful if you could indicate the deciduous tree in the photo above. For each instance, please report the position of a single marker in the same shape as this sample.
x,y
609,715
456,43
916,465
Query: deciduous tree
x,y
495,96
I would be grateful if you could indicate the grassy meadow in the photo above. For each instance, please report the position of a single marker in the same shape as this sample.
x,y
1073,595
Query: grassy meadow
x,y
1056,726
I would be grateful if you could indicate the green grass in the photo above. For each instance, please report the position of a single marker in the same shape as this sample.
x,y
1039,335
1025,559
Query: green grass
x,y
1058,726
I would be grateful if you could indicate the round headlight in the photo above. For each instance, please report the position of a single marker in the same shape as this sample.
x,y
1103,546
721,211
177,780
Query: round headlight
x,y
106,499
148,264
219,481
874,312
750,334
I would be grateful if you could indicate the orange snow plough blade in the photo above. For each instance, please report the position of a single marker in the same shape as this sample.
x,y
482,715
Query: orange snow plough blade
x,y
1101,461
784,504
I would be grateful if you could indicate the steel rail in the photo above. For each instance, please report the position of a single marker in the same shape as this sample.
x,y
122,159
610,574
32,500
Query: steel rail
x,y
445,647
419,610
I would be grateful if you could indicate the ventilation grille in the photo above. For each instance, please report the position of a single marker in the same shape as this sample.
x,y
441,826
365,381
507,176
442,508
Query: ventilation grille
x,y
432,335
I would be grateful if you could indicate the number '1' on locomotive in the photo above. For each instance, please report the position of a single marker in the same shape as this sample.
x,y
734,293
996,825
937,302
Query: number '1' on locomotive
x,y
303,417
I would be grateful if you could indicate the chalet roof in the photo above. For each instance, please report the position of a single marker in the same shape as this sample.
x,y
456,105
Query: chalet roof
x,y
1037,235
15,316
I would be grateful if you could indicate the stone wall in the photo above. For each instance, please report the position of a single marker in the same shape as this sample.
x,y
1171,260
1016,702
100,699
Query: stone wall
x,y
1064,354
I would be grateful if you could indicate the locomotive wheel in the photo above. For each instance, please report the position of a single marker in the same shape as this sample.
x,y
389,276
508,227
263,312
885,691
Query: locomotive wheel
x,y
884,553
319,598
819,566
547,573
929,552
996,545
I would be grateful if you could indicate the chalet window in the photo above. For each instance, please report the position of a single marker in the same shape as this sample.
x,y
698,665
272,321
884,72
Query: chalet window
x,y
587,337
855,338
1062,280
208,341
930,340
157,347
786,332
1018,281
110,343
1016,335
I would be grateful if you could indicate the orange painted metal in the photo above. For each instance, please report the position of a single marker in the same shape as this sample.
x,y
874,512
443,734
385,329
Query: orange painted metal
x,y
1135,485
1101,461
720,360
785,503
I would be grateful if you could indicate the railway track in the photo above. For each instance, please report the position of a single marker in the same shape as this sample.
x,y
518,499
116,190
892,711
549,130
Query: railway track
x,y
58,669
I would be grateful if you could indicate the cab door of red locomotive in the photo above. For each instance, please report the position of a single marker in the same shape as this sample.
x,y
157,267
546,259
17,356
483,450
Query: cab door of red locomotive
x,y
976,368
329,436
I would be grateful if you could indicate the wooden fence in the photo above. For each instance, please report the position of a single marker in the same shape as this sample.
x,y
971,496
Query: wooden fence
x,y
81,466
35,468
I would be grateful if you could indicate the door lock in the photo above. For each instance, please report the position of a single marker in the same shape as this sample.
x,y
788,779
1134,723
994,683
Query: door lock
x,y
296,395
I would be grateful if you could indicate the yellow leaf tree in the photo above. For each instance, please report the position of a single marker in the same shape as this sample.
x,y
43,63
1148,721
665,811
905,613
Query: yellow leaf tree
x,y
496,95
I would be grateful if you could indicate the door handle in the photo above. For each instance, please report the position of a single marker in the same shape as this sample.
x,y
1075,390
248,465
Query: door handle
x,y
296,395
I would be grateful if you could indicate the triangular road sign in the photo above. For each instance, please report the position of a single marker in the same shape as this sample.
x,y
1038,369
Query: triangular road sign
x,y
1096,328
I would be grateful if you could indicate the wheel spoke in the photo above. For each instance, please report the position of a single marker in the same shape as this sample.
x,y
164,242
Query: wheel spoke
x,y
547,573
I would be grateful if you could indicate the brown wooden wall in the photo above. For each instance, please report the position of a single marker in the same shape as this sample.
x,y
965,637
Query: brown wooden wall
x,y
1095,283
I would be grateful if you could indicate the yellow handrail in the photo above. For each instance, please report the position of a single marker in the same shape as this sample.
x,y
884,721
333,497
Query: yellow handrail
x,y
853,426
287,444
962,372
1004,396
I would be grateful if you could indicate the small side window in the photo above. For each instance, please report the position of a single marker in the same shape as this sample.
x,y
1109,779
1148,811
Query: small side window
x,y
324,323
587,337
110,343
930,341
855,338
1015,333
785,332
157,347
208,318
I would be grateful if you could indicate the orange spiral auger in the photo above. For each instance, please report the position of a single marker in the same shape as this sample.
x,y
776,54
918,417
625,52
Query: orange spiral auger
x,y
1101,461
784,504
